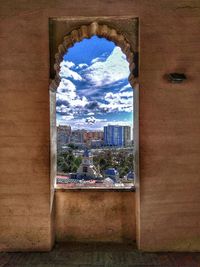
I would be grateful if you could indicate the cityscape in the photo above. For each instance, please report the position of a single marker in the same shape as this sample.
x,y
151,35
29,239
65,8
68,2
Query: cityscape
x,y
95,158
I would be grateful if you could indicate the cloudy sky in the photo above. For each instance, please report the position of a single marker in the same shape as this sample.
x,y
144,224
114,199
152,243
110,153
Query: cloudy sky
x,y
94,90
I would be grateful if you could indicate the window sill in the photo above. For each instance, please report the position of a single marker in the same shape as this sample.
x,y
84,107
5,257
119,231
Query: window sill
x,y
95,189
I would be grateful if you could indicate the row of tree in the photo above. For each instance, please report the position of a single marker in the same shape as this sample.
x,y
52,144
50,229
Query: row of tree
x,y
122,160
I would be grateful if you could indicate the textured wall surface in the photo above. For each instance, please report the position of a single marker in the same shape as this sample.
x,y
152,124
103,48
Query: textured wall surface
x,y
24,129
95,216
168,193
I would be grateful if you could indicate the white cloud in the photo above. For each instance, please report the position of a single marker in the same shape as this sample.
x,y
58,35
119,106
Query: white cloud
x,y
82,65
66,94
90,113
66,72
84,123
68,117
116,106
66,86
108,72
72,102
115,68
79,102
90,120
66,91
118,96
67,64
126,87
62,109
95,60
122,101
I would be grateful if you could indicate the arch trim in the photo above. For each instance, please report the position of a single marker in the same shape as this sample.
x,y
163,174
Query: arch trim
x,y
87,31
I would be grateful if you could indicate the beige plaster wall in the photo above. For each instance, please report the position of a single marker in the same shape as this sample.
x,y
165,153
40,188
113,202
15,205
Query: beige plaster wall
x,y
95,216
169,126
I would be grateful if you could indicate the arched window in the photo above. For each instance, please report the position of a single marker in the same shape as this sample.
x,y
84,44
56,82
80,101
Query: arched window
x,y
94,107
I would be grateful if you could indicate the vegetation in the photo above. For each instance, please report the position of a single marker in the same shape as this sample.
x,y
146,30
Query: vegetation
x,y
121,159
72,146
67,162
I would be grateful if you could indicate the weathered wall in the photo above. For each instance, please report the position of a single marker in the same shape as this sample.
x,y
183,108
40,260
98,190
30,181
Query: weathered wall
x,y
97,216
170,127
168,208
24,130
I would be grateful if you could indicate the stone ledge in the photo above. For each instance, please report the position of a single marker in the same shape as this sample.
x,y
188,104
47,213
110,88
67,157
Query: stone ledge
x,y
103,189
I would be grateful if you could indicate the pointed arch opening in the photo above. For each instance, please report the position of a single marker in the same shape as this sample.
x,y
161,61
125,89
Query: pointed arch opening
x,y
77,35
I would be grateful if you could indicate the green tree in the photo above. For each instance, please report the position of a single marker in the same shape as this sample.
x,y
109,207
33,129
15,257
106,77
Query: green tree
x,y
67,162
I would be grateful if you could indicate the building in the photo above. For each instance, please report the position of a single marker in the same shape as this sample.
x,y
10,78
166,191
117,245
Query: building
x,y
93,135
63,135
117,135
127,135
96,143
93,138
130,175
87,170
77,137
112,173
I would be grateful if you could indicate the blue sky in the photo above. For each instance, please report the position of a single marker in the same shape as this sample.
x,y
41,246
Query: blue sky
x,y
94,90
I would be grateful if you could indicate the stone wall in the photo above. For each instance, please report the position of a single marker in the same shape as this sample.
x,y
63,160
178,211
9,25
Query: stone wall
x,y
95,216
168,196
